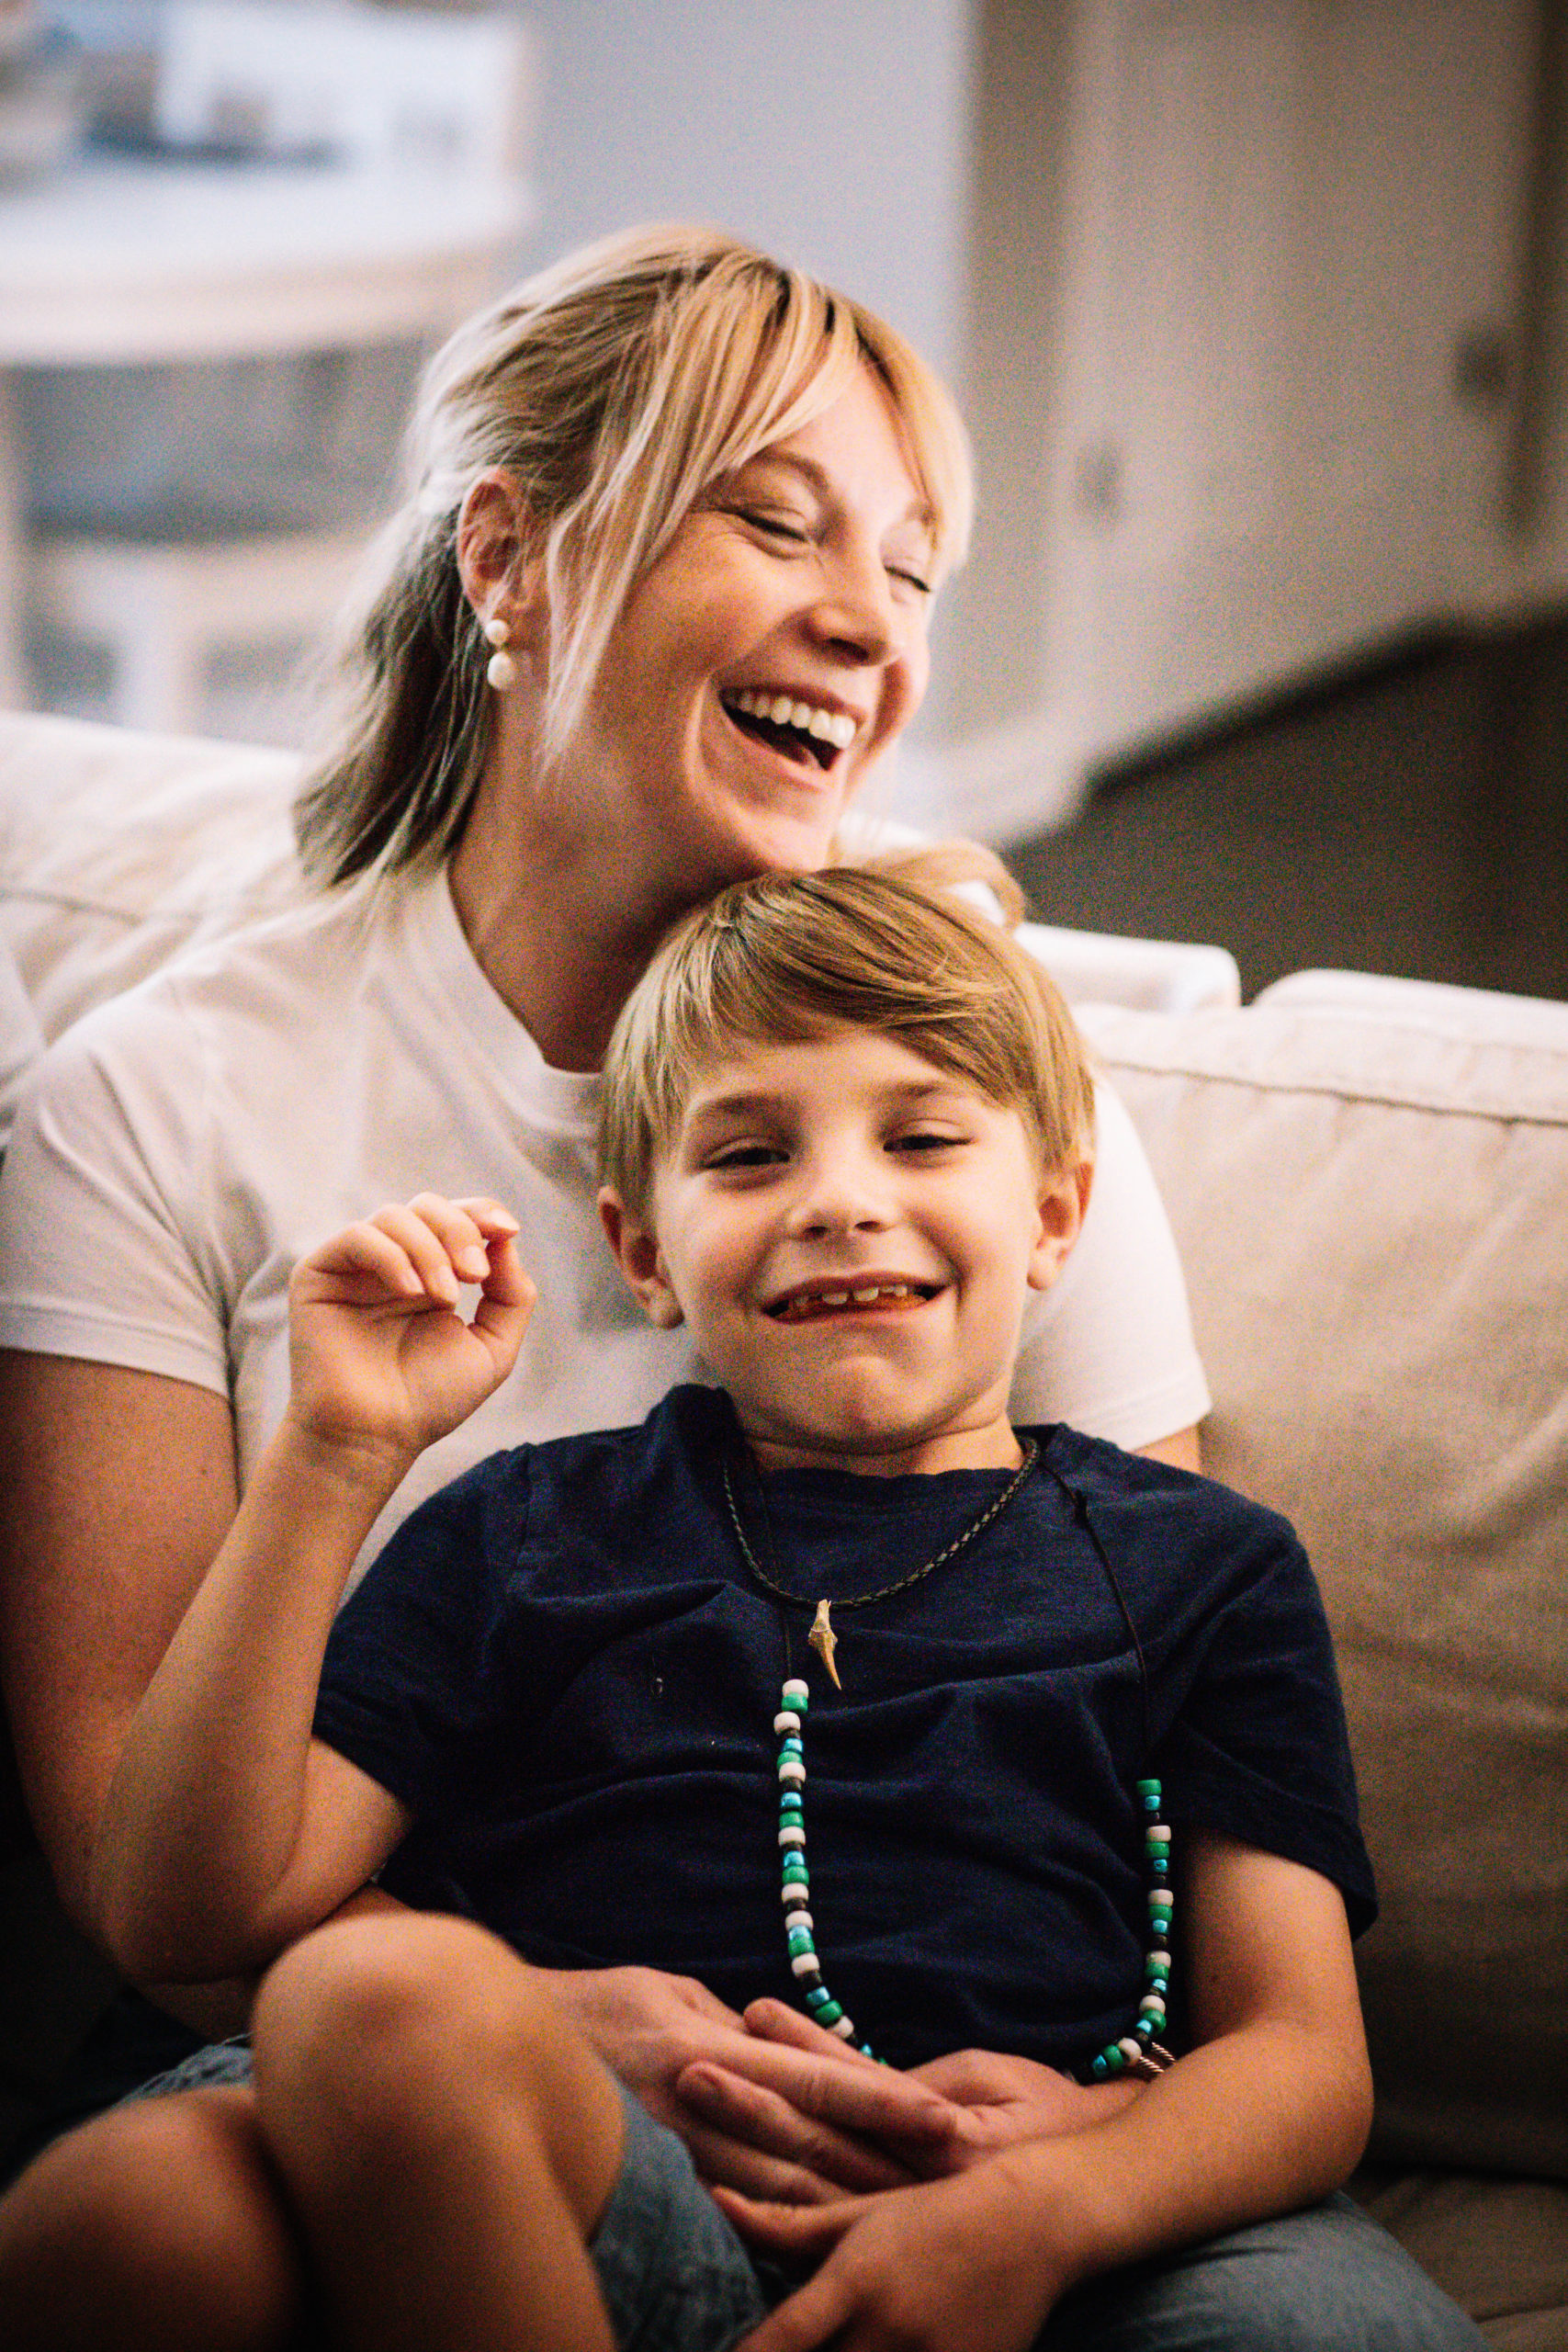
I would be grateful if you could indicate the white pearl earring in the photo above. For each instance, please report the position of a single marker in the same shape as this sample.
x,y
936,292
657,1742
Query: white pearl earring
x,y
501,670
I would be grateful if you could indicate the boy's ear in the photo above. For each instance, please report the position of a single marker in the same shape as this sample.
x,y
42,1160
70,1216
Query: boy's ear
x,y
636,1250
1063,1200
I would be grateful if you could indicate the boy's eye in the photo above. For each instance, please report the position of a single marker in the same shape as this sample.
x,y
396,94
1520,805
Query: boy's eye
x,y
924,1139
730,1157
911,579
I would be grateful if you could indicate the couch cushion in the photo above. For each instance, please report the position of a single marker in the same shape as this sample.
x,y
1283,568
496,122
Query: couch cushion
x,y
90,903
1499,2247
1373,1217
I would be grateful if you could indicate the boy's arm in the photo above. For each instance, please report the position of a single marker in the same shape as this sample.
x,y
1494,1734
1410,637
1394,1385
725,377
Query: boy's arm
x,y
228,1830
1268,2113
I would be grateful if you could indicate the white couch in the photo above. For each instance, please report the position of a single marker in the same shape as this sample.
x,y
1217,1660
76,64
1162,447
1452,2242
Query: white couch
x,y
1368,1183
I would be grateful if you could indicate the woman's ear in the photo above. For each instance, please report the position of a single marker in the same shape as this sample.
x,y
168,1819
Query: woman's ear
x,y
1063,1202
496,562
636,1246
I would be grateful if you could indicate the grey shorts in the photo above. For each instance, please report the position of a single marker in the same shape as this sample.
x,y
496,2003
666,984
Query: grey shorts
x,y
675,2276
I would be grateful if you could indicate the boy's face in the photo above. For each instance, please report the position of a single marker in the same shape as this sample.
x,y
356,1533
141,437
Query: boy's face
x,y
851,1233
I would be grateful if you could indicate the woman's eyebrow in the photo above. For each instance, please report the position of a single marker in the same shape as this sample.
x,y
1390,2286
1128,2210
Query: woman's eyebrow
x,y
820,482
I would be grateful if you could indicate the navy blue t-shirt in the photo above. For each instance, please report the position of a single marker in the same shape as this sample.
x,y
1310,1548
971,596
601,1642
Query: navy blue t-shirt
x,y
561,1665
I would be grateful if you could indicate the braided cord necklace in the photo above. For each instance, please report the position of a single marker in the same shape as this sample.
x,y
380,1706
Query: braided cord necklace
x,y
1137,2051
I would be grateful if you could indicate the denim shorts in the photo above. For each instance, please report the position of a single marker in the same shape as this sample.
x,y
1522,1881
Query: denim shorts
x,y
676,2278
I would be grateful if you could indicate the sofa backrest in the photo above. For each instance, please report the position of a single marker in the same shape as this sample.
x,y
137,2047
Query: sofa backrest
x,y
1371,1204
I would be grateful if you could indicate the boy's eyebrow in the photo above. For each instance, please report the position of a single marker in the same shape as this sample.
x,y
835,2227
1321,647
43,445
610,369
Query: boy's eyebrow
x,y
745,1101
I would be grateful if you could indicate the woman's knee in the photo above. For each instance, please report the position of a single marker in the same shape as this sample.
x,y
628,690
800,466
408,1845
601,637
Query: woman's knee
x,y
158,2223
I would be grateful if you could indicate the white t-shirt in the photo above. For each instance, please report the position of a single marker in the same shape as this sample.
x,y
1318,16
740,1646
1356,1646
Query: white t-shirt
x,y
183,1146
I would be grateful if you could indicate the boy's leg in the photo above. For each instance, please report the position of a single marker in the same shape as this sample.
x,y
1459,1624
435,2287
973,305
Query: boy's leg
x,y
446,2141
157,2225
1325,2280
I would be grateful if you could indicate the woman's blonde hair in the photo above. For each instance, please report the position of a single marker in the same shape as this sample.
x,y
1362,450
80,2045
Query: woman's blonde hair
x,y
786,957
612,389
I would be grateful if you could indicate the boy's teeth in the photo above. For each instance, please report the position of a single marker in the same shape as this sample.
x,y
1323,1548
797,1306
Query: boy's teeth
x,y
866,1296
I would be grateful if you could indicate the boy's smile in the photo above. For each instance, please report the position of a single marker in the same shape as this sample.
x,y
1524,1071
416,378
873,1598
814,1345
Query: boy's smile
x,y
851,1232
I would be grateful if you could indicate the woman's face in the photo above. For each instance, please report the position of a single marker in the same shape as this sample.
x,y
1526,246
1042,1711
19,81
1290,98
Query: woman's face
x,y
766,661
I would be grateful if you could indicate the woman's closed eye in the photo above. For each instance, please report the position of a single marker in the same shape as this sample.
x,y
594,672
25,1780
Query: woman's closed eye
x,y
792,530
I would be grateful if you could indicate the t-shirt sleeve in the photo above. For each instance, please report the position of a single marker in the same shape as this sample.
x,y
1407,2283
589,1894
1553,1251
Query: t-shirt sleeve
x,y
1109,1349
106,1185
21,1040
1258,1748
403,1682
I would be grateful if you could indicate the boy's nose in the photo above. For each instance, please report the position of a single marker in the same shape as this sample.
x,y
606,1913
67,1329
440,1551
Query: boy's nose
x,y
838,1198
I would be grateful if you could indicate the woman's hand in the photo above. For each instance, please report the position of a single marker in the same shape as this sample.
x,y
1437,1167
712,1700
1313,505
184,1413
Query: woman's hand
x,y
948,2266
988,2102
379,1355
808,2121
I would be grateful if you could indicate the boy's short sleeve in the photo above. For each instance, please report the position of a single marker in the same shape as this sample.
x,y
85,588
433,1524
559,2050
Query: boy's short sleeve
x,y
1260,1750
404,1679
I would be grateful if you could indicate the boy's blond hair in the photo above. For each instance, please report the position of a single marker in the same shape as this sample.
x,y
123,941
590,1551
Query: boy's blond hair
x,y
785,957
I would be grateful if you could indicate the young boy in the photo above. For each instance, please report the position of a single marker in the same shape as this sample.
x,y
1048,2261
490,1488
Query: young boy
x,y
824,1689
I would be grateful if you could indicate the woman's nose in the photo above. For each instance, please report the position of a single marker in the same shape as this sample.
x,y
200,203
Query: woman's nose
x,y
855,611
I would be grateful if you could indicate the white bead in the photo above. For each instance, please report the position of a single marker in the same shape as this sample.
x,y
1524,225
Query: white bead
x,y
844,2028
793,1771
805,1963
1129,2047
1151,2006
1158,1836
800,1919
796,1689
496,631
787,1720
791,1837
1160,1960
501,670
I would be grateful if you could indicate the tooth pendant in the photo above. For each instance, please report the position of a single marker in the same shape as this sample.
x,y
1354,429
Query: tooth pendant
x,y
824,1641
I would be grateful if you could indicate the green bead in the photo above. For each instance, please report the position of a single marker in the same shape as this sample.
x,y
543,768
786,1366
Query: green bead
x,y
1147,1788
829,2013
799,1940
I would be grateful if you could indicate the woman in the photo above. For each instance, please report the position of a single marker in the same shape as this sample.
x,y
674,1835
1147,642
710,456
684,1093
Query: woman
x,y
655,607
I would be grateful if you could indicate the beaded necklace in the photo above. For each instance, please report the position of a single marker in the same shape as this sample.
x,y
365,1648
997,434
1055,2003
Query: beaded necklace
x,y
1135,2053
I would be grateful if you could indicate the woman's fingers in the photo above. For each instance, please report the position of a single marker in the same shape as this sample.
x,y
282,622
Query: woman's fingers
x,y
808,2230
762,2143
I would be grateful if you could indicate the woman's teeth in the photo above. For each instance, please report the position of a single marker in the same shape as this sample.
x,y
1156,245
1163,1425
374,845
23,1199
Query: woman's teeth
x,y
833,728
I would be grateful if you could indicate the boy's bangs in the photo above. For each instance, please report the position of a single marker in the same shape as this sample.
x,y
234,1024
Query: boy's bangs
x,y
784,959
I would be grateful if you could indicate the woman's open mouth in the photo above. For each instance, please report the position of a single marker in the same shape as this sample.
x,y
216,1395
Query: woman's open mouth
x,y
803,731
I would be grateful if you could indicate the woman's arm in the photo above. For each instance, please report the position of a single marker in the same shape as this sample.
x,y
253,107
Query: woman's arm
x,y
226,1830
118,1487
1268,2113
